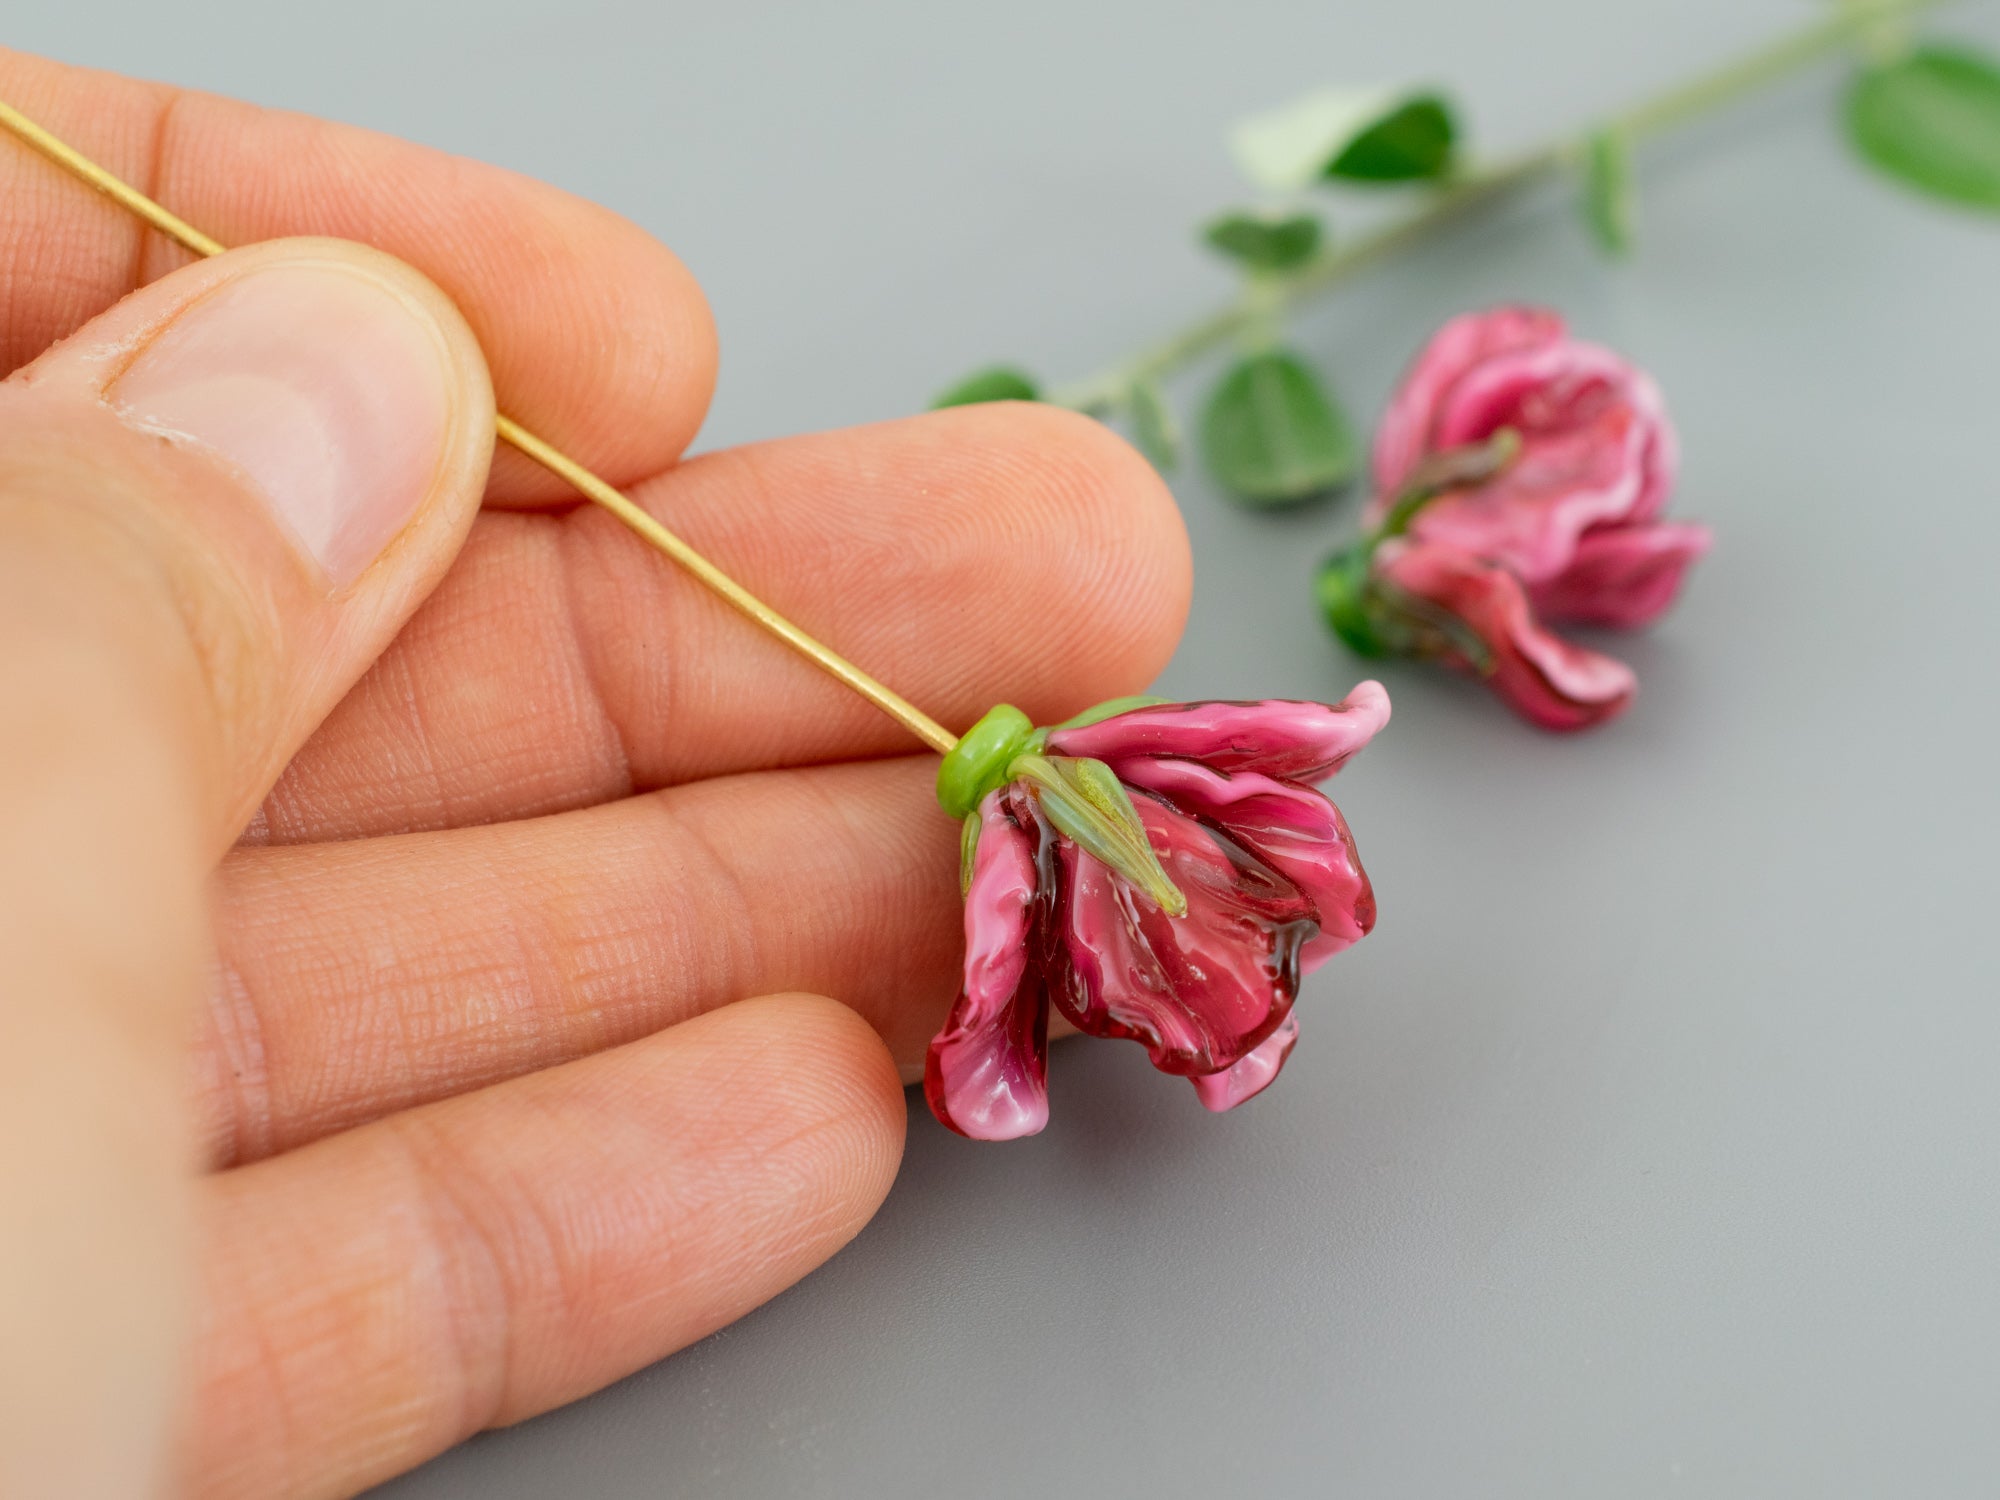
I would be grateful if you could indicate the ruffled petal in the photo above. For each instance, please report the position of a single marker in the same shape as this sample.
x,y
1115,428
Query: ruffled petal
x,y
1257,1070
1595,449
986,1073
1278,737
1295,830
1623,576
1541,676
1201,991
1405,433
1663,458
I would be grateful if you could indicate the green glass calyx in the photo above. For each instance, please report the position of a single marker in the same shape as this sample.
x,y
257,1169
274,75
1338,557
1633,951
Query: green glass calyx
x,y
1088,803
968,850
1344,587
978,763
1377,620
1110,708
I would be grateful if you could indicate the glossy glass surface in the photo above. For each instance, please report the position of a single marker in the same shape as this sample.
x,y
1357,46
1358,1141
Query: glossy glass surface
x,y
1222,795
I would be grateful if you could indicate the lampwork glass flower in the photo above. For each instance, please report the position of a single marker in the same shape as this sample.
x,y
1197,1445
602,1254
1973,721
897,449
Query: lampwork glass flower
x,y
1158,871
1520,475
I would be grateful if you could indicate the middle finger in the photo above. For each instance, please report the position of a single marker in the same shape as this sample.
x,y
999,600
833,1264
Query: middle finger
x,y
1008,551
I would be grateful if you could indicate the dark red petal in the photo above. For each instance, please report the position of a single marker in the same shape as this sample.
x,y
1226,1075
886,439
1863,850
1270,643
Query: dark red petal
x,y
986,1073
1200,991
1541,676
1292,828
1279,737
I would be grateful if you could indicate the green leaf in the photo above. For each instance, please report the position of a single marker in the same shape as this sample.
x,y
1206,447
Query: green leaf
x,y
1610,202
1931,120
996,383
1262,240
1414,143
1087,801
1097,713
1272,436
1373,135
1154,429
968,851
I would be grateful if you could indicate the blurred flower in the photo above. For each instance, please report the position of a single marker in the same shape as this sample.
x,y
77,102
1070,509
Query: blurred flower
x,y
1520,475
1163,872
1486,627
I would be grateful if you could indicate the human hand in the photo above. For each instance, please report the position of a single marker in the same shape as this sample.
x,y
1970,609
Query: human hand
x,y
457,1034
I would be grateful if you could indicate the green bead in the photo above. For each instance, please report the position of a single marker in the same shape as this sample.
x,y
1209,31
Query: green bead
x,y
1343,593
978,763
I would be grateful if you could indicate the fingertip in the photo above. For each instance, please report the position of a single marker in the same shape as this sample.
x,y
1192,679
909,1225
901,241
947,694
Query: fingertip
x,y
480,1259
1117,569
839,1084
669,366
598,337
629,379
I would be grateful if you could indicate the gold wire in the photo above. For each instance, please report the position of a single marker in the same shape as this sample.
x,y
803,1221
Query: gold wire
x,y
912,718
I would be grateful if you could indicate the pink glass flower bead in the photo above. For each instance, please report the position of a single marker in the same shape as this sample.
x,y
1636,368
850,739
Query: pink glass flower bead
x,y
1161,872
1566,530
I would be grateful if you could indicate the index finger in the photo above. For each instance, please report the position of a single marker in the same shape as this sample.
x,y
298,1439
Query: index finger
x,y
596,335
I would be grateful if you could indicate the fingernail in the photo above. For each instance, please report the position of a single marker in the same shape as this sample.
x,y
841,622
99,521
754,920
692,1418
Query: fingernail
x,y
328,391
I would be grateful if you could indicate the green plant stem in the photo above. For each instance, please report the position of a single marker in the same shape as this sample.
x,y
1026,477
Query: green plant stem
x,y
1851,24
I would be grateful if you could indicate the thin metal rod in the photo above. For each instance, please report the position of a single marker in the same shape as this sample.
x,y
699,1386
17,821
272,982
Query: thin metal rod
x,y
904,712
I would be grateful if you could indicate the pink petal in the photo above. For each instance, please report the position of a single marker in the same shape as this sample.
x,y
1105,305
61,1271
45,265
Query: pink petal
x,y
986,1073
1405,433
1249,1077
1542,677
1292,828
1596,450
1279,737
1663,460
1253,1075
1201,990
1623,576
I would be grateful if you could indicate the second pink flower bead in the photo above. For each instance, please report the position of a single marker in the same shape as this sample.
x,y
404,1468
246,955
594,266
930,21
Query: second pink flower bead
x,y
1520,476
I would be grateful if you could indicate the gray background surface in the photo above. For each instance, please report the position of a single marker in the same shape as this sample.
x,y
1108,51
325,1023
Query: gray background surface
x,y
1647,1148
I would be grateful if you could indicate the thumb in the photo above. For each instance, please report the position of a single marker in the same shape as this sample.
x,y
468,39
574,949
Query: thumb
x,y
232,489
218,501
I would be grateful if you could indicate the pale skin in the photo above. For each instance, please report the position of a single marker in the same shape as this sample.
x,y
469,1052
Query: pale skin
x,y
554,1009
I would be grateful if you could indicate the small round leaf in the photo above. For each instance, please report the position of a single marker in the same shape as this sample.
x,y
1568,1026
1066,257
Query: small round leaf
x,y
997,383
1610,201
1412,143
1931,120
1154,429
1264,241
1273,436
